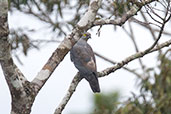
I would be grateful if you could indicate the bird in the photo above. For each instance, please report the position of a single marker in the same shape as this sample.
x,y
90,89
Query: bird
x,y
82,56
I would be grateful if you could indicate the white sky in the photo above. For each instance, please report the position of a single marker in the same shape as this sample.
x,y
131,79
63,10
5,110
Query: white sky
x,y
114,45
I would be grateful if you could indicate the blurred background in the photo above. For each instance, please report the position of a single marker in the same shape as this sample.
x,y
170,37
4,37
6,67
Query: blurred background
x,y
142,87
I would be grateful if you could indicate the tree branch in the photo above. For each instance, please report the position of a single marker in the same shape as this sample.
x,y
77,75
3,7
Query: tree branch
x,y
68,95
113,62
131,58
120,21
58,55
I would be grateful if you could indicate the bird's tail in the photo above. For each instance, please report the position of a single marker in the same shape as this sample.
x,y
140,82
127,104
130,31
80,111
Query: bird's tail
x,y
94,83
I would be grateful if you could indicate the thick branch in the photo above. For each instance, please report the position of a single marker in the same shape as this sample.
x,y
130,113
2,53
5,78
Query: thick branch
x,y
83,25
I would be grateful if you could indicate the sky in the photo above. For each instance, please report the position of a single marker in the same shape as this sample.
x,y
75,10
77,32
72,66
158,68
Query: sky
x,y
115,45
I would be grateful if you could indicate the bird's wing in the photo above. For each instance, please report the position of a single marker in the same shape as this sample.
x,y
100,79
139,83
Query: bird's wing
x,y
83,58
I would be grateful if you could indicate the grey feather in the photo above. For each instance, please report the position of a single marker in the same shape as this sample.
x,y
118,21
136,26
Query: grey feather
x,y
83,58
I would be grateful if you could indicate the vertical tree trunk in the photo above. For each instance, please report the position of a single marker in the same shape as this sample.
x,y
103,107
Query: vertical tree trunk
x,y
22,91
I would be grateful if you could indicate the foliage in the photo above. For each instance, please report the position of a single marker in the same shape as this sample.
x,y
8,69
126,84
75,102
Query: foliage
x,y
105,103
154,98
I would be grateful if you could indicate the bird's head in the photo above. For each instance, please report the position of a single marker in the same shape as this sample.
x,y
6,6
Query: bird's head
x,y
86,36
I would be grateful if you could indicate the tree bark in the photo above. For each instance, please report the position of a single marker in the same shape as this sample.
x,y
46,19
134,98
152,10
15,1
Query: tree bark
x,y
22,91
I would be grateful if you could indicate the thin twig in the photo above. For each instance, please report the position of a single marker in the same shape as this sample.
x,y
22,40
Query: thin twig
x,y
150,7
145,24
152,16
136,46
